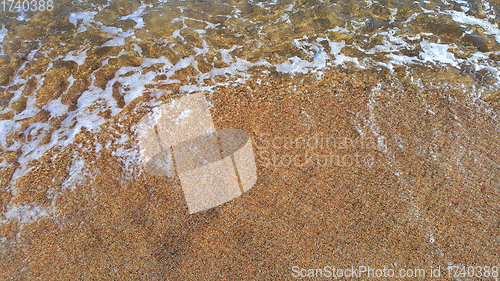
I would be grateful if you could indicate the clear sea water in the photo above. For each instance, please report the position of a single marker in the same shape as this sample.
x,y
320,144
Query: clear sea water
x,y
73,68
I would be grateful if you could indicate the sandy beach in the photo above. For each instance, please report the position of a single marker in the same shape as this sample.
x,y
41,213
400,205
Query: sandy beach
x,y
428,196
394,168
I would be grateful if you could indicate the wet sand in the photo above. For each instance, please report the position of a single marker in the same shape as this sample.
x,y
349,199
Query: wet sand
x,y
429,196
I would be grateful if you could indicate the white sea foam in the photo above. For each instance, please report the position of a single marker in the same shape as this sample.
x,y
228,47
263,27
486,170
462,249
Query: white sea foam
x,y
488,28
3,34
26,213
130,159
437,53
79,58
86,17
77,175
136,16
314,51
119,40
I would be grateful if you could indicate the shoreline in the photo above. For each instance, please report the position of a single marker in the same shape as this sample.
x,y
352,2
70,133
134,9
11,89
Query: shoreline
x,y
437,172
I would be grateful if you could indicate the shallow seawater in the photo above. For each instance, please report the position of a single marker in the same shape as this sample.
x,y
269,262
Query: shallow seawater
x,y
74,81
71,60
69,67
